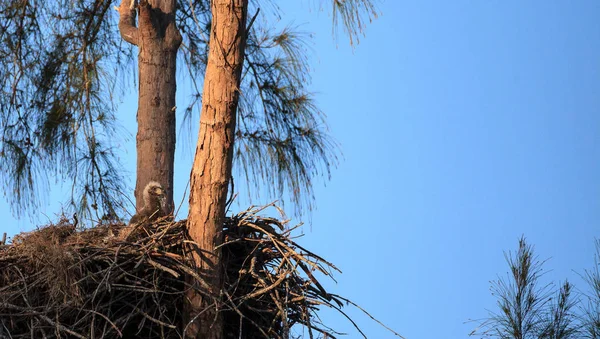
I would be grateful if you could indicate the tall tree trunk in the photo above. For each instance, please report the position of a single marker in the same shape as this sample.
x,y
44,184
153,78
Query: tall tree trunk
x,y
158,40
213,161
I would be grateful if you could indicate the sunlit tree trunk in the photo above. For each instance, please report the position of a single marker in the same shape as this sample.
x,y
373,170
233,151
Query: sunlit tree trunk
x,y
213,160
158,39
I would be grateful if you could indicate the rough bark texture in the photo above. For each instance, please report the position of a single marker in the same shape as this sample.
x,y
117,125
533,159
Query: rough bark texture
x,y
213,160
158,39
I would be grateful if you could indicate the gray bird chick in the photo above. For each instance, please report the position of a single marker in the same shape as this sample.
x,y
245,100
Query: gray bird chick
x,y
154,204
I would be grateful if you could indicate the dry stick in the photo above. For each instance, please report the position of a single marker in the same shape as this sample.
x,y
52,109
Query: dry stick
x,y
368,314
253,212
296,256
159,254
21,308
265,289
163,268
113,325
352,321
315,256
314,280
280,307
242,316
276,297
147,316
186,185
61,327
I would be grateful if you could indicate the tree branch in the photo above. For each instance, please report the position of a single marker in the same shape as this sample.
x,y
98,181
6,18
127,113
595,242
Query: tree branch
x,y
127,15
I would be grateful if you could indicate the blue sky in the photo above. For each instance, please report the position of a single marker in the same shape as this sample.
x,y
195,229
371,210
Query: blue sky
x,y
464,125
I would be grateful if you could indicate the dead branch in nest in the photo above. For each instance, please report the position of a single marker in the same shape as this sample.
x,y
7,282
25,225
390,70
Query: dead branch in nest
x,y
59,282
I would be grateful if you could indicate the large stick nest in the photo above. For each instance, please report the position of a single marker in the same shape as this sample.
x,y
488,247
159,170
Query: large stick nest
x,y
62,282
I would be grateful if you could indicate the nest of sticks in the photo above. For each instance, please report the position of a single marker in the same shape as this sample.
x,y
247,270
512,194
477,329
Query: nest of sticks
x,y
60,282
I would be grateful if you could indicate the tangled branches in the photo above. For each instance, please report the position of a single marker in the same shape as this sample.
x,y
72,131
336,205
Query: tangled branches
x,y
60,282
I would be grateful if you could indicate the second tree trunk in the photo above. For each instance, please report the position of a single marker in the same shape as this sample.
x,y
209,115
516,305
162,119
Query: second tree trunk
x,y
211,171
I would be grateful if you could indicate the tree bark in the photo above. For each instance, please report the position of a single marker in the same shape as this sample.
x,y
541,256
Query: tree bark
x,y
213,160
158,40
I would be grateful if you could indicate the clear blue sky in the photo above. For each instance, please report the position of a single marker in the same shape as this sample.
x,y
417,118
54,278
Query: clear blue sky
x,y
464,125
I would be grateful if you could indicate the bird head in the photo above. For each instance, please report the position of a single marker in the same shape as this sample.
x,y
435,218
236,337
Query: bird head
x,y
155,195
155,189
